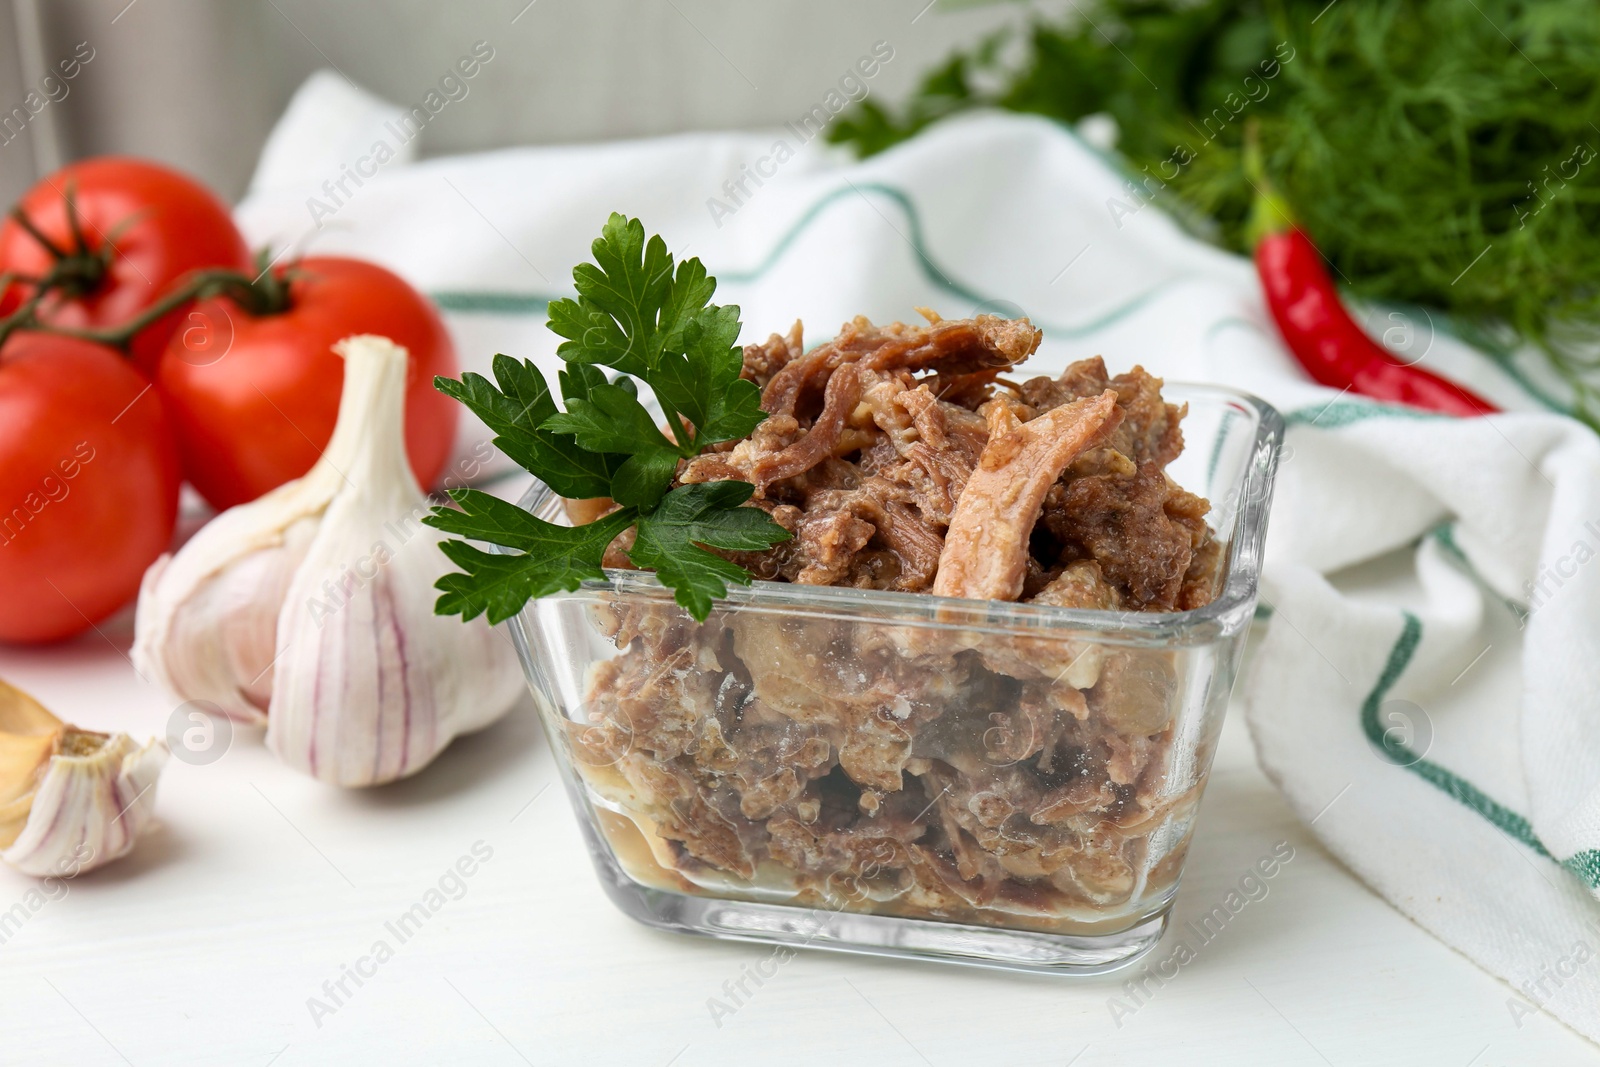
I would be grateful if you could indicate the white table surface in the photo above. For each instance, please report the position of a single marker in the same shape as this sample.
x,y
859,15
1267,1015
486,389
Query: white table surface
x,y
258,885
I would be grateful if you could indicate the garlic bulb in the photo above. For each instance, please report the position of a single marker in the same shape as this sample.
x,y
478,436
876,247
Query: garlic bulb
x,y
70,800
312,607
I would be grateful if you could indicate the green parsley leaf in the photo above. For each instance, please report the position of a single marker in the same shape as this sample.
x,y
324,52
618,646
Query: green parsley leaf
x,y
691,292
611,419
514,412
552,558
617,318
707,513
636,314
643,478
651,321
578,379
702,381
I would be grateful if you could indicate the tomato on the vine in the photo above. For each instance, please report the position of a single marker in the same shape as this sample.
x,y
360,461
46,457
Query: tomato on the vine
x,y
88,484
254,397
135,228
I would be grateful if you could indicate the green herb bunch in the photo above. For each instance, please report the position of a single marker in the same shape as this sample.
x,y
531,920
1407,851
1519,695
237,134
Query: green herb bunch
x,y
646,320
1437,152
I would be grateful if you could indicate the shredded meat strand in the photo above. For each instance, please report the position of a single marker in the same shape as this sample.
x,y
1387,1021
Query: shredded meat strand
x,y
843,393
986,548
962,345
762,361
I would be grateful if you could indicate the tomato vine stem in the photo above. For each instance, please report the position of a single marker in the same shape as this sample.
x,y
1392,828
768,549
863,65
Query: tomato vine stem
x,y
79,270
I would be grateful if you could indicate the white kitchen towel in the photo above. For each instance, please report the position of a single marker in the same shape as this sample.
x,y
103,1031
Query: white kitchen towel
x,y
1425,692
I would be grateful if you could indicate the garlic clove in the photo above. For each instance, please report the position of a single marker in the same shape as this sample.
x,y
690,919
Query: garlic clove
x,y
370,685
96,795
206,624
70,800
213,636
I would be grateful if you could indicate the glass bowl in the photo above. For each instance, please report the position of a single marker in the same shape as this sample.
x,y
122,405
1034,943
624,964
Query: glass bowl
x,y
1001,784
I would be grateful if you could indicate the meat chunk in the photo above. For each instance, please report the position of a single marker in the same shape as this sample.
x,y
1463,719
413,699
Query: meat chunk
x,y
819,442
1081,584
829,542
1138,529
762,361
986,549
1149,430
964,345
775,434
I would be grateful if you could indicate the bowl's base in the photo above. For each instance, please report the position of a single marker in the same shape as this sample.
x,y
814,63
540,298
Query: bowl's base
x,y
882,935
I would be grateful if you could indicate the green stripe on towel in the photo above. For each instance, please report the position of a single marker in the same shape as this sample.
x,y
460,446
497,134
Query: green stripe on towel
x,y
1337,413
497,302
1586,864
491,303
1445,535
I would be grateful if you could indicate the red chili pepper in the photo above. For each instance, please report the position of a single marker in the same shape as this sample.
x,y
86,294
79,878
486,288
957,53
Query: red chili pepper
x,y
1331,346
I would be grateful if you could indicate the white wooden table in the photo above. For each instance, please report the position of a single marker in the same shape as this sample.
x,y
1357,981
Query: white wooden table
x,y
207,944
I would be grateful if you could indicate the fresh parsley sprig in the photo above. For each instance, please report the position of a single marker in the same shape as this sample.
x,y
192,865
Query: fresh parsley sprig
x,y
646,319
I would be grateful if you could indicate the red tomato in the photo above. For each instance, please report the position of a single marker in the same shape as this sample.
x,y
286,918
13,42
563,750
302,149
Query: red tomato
x,y
88,485
161,225
254,399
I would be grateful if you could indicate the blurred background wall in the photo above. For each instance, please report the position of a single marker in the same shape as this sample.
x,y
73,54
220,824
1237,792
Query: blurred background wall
x,y
198,83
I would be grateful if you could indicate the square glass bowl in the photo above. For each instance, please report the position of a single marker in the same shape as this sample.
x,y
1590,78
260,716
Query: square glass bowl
x,y
1001,784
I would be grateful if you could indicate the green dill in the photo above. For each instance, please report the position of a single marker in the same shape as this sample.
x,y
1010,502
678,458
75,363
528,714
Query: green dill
x,y
1439,153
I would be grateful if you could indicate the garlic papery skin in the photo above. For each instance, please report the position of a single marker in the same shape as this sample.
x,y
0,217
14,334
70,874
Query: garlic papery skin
x,y
70,800
312,608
